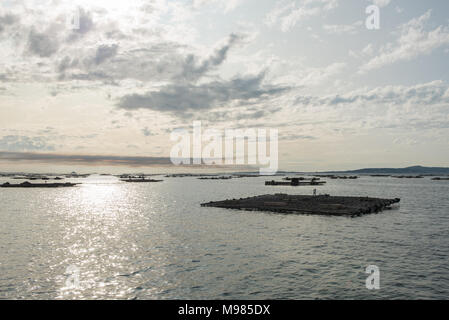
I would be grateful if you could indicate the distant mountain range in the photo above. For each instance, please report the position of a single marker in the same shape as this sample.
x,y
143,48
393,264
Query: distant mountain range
x,y
408,170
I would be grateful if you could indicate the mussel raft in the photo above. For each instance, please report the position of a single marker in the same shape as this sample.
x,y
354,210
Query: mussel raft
x,y
301,204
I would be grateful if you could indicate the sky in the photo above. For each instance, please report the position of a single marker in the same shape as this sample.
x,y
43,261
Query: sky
x,y
109,93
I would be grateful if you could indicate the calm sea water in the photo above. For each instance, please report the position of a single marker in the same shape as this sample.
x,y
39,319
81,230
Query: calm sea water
x,y
154,241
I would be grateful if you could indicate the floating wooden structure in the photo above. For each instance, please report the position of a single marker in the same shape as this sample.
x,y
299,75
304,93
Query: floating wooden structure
x,y
440,179
333,176
295,182
301,179
344,177
141,180
408,177
27,184
300,204
189,175
216,178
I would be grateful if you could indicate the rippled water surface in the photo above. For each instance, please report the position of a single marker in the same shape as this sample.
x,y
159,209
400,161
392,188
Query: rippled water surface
x,y
155,241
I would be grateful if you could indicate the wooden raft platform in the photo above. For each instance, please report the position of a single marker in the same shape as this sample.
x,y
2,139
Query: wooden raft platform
x,y
140,180
27,184
300,204
294,182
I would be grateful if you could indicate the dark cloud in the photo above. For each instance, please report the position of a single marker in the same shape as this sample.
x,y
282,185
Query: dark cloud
x,y
146,132
4,91
42,44
193,70
102,54
67,63
165,61
105,52
156,63
7,20
179,98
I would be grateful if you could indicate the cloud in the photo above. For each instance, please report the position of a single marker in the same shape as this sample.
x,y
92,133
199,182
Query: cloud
x,y
238,114
99,160
418,107
46,42
316,76
7,20
413,41
42,44
67,63
162,61
227,5
289,13
342,29
192,70
179,98
84,159
146,132
4,90
24,143
381,3
294,137
86,24
105,52
435,92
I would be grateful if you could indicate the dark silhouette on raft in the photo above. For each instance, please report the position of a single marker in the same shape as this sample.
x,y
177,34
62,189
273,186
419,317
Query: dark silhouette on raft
x,y
141,180
296,182
300,204
27,184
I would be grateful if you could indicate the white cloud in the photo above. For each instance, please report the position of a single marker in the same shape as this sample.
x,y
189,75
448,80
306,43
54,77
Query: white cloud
x,y
382,3
316,76
413,41
367,51
289,13
227,5
343,29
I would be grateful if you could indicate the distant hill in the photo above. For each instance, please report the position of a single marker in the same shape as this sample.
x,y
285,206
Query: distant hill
x,y
408,170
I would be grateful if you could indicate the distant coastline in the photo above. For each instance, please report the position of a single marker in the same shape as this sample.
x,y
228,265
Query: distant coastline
x,y
407,170
413,170
417,170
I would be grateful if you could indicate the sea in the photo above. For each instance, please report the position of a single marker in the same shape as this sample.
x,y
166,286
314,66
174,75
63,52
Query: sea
x,y
107,239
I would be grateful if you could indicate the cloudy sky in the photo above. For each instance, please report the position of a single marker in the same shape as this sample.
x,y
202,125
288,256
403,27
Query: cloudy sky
x,y
341,96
